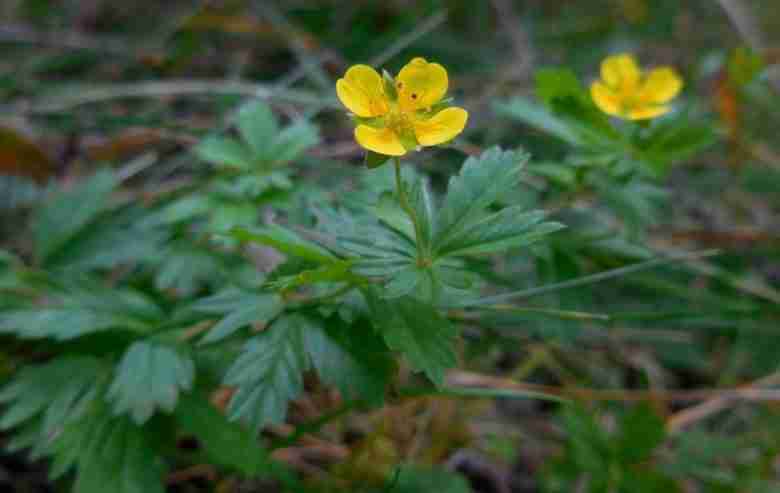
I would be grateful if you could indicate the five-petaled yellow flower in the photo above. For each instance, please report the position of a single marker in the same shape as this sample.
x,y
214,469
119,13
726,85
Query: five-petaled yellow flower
x,y
397,116
624,91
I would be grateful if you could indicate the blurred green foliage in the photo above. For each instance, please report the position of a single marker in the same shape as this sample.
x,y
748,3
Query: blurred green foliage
x,y
196,267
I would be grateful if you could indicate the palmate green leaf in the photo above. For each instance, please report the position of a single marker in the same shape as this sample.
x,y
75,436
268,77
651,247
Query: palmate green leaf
x,y
112,238
351,358
403,282
508,228
224,151
291,142
418,331
185,268
335,272
150,376
109,454
81,312
562,92
421,204
249,308
373,249
575,131
50,395
480,183
268,373
286,242
390,214
258,126
68,212
60,323
538,116
673,140
225,443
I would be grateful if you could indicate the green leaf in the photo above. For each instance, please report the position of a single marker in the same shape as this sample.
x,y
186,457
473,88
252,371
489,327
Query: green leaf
x,y
115,237
286,242
335,272
389,85
650,481
225,443
291,142
268,373
354,359
641,431
68,212
675,140
79,313
417,331
480,183
403,282
540,117
558,83
254,308
562,92
258,126
59,323
420,479
508,228
224,151
374,159
150,376
57,392
587,446
422,206
390,213
110,454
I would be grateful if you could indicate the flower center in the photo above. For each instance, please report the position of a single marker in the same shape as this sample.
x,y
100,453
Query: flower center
x,y
399,121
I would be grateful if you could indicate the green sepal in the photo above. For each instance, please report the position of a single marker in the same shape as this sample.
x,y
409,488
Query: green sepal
x,y
389,82
375,160
441,105
408,140
373,122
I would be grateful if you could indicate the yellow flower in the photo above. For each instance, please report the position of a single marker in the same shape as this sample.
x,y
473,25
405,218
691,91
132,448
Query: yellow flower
x,y
395,117
624,91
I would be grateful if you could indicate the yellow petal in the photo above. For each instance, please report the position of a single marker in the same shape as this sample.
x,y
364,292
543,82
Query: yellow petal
x,y
661,86
606,99
361,91
441,127
621,72
381,140
647,112
421,84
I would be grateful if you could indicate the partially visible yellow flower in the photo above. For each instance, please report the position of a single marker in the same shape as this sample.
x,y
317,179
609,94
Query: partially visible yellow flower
x,y
395,117
624,91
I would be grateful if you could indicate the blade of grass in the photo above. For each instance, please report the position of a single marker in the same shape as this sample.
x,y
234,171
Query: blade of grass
x,y
581,281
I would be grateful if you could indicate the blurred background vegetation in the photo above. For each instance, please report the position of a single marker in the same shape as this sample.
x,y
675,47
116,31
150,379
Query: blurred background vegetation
x,y
671,374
